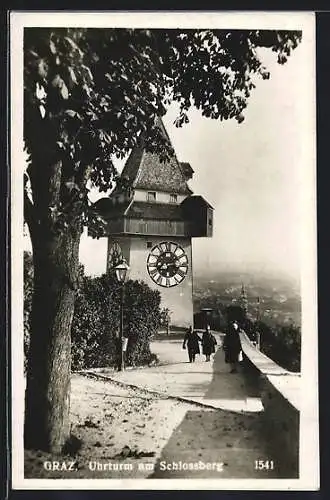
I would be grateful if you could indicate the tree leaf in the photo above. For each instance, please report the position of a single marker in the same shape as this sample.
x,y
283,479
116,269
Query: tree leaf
x,y
42,110
73,45
42,68
60,84
40,92
52,47
72,114
72,75
71,185
64,91
56,82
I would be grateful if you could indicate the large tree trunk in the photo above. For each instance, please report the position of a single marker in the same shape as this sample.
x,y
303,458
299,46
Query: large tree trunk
x,y
56,260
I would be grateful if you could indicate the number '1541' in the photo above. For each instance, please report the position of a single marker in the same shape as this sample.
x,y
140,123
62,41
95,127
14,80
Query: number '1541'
x,y
264,464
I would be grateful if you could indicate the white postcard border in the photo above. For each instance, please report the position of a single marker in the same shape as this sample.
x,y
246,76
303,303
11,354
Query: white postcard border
x,y
309,441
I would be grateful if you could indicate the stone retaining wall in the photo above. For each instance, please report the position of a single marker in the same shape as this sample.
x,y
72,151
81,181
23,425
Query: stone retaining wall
x,y
281,424
280,391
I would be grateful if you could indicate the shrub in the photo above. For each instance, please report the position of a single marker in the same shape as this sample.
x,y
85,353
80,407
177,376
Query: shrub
x,y
96,322
142,318
95,325
236,313
282,344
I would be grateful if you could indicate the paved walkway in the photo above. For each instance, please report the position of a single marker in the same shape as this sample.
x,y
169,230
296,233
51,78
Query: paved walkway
x,y
225,429
208,383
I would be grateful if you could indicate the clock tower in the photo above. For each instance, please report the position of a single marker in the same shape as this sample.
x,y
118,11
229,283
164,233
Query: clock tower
x,y
151,224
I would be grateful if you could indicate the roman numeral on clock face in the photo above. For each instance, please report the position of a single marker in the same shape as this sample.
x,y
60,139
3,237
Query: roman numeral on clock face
x,y
156,251
165,247
159,280
181,273
179,252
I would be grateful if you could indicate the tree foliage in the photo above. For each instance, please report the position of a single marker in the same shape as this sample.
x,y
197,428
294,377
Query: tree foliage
x,y
92,94
236,313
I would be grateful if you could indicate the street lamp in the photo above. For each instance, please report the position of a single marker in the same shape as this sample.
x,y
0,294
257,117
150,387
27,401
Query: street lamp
x,y
121,272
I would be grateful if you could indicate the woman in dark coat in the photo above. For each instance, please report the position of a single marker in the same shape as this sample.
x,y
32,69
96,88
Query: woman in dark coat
x,y
209,343
232,346
191,339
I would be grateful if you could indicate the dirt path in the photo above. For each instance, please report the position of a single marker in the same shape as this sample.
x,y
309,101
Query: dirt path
x,y
116,427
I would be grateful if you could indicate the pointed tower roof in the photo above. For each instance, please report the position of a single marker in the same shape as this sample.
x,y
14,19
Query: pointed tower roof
x,y
146,171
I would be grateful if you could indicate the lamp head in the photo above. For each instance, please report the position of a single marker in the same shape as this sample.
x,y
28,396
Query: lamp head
x,y
121,271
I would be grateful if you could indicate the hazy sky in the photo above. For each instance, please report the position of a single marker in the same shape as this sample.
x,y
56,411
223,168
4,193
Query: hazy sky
x,y
251,173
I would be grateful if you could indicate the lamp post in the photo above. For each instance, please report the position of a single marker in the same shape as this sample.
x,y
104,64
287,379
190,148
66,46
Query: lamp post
x,y
121,272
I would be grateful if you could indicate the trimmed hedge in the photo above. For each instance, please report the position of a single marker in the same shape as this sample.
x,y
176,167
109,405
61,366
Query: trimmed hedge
x,y
96,320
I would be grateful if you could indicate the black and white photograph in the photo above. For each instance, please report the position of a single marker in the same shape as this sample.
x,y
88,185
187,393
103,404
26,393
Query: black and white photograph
x,y
163,251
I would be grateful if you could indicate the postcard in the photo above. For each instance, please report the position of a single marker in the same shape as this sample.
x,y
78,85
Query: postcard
x,y
163,251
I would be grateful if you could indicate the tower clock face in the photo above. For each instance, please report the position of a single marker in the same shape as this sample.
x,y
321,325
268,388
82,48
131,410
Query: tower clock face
x,y
167,264
115,255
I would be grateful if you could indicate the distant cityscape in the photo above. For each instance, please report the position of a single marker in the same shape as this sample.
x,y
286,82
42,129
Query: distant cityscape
x,y
271,299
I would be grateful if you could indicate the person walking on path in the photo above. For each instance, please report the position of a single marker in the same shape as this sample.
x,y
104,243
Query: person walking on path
x,y
232,346
209,342
191,339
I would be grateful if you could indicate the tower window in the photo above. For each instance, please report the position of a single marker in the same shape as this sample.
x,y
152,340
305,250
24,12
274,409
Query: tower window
x,y
173,198
151,196
149,244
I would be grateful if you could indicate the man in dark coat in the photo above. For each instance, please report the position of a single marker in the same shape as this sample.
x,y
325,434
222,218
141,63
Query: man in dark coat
x,y
232,346
209,343
191,339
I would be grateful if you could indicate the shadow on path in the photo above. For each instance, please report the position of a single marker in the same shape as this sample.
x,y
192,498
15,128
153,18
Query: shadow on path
x,y
217,444
225,390
232,436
